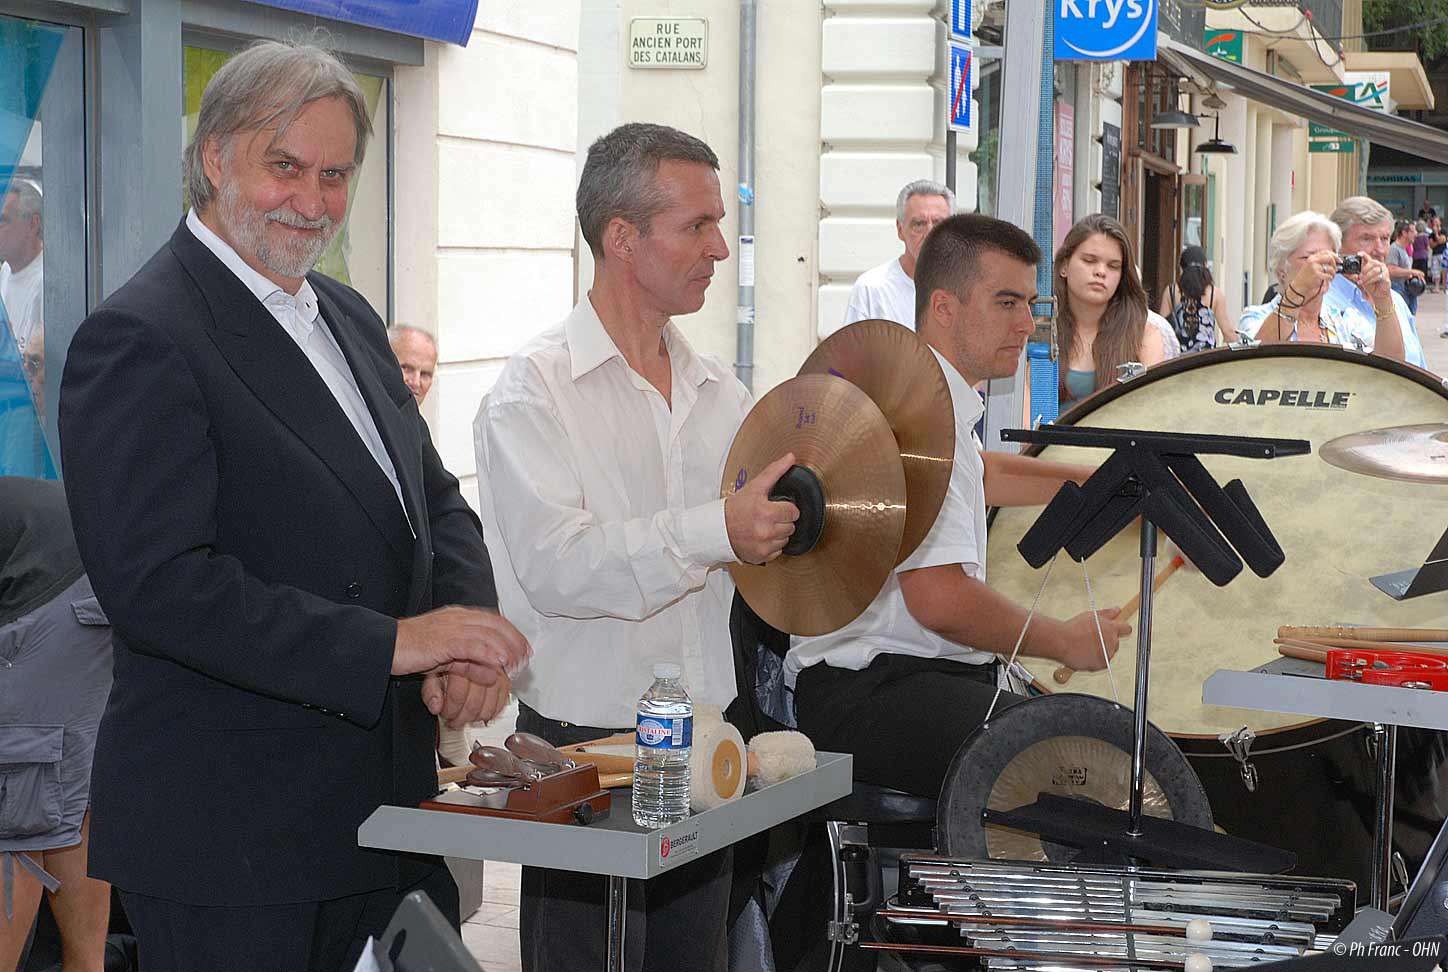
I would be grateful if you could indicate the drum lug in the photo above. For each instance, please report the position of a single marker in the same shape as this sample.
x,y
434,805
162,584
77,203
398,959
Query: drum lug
x,y
1243,342
1129,370
1239,744
845,932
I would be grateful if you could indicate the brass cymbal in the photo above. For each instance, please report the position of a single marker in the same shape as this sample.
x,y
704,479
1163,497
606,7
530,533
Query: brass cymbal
x,y
1409,453
849,485
888,362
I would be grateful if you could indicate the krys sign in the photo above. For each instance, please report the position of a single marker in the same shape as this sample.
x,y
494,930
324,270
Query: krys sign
x,y
1105,30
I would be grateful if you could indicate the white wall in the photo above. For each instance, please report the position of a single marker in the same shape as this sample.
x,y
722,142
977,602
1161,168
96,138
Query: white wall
x,y
485,140
705,103
882,124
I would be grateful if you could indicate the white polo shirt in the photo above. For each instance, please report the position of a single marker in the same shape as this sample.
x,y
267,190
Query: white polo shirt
x,y
958,537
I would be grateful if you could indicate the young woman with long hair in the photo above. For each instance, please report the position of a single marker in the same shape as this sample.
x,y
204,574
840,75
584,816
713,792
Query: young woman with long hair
x,y
1102,317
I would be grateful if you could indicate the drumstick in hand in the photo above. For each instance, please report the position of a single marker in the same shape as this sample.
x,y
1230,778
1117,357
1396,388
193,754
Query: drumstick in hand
x,y
1064,673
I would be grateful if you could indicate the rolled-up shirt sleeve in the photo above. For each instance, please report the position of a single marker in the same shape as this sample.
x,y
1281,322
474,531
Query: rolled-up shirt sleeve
x,y
569,562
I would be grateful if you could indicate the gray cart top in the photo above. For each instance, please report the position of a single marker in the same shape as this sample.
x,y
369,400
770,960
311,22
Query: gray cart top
x,y
614,845
1287,685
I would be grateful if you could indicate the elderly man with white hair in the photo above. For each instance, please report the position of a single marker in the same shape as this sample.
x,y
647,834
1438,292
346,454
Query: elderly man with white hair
x,y
1367,231
296,587
1303,257
887,292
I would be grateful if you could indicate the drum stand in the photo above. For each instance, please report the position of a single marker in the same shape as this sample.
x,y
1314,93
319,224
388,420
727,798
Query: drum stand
x,y
1430,578
1155,476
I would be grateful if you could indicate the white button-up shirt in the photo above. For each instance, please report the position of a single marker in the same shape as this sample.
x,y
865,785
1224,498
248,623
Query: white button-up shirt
x,y
300,316
957,537
602,513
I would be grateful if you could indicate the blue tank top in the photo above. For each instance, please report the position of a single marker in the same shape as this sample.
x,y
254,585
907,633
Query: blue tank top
x,y
1080,383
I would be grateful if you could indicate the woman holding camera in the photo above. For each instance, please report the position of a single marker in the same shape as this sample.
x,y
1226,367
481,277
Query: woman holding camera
x,y
1302,255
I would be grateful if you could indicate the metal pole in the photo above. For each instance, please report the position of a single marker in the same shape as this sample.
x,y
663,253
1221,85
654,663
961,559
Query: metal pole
x,y
950,159
1143,668
1015,179
744,354
617,913
1386,738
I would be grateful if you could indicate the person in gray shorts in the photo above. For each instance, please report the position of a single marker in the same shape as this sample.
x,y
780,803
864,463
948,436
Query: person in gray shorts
x,y
55,676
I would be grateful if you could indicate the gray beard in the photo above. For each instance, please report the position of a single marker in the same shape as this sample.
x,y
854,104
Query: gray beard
x,y
293,258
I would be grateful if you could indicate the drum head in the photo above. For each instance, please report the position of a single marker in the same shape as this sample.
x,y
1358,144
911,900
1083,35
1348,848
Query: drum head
x,y
1336,528
1072,746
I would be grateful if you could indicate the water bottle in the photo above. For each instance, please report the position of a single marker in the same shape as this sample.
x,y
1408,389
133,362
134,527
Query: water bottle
x,y
664,736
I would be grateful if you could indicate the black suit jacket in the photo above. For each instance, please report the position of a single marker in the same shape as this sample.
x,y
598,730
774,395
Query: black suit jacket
x,y
252,558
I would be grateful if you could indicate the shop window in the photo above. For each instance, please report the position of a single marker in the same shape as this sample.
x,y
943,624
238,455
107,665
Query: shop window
x,y
42,232
357,255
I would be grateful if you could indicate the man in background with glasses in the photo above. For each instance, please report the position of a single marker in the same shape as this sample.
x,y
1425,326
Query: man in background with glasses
x,y
887,292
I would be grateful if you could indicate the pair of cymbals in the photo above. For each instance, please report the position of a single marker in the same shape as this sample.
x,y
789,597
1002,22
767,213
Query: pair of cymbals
x,y
1407,453
870,423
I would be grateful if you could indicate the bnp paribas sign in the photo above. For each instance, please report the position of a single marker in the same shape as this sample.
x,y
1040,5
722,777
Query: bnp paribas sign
x,y
1105,30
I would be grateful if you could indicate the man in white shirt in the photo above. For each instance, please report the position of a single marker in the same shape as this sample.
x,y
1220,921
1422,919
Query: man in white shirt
x,y
600,451
1367,230
887,292
22,261
904,684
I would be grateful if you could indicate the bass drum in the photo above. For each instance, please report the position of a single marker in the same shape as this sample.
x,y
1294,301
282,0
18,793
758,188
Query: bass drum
x,y
1306,786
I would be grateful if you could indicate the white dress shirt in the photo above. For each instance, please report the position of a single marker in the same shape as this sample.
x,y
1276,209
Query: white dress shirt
x,y
299,316
957,537
883,293
602,513
23,294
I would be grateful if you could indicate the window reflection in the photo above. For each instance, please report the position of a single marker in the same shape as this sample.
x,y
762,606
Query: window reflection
x,y
28,54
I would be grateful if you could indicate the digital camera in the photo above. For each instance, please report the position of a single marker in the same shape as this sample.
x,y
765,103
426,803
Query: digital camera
x,y
1352,265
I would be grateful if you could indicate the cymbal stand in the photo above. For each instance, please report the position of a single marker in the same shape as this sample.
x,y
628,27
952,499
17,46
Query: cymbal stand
x,y
1157,477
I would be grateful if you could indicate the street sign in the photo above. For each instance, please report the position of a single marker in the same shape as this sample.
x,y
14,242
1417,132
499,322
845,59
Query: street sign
x,y
1225,44
1105,30
668,42
960,17
1323,138
962,69
1373,89
1340,146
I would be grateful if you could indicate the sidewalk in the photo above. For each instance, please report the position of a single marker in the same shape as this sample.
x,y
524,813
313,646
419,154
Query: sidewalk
x,y
1432,315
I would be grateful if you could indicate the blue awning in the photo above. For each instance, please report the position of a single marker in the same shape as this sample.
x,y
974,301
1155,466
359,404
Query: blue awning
x,y
444,20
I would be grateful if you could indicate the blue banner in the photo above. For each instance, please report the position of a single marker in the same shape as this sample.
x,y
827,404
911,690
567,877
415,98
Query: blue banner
x,y
444,20
1105,30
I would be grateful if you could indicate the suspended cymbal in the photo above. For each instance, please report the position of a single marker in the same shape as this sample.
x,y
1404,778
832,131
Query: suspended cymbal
x,y
850,488
899,372
1410,453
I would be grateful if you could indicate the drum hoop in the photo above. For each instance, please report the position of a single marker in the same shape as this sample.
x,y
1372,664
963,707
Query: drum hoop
x,y
1201,359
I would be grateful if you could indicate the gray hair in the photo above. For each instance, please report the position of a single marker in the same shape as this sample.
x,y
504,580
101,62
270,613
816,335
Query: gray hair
x,y
1293,231
401,330
922,187
28,202
1422,226
618,177
1359,210
269,83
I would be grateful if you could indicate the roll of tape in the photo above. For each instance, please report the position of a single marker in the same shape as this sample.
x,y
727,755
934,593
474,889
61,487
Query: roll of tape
x,y
717,772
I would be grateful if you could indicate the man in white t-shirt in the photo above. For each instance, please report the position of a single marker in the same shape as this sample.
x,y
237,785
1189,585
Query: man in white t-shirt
x,y
21,262
902,686
887,292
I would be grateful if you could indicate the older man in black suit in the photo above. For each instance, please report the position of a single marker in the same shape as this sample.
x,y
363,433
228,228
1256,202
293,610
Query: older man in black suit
x,y
266,522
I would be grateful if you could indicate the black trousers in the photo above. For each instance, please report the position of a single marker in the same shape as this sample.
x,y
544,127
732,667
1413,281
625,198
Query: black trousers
x,y
675,921
902,717
310,936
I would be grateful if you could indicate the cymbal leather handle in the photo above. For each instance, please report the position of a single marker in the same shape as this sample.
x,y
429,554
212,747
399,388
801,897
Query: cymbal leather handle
x,y
800,486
